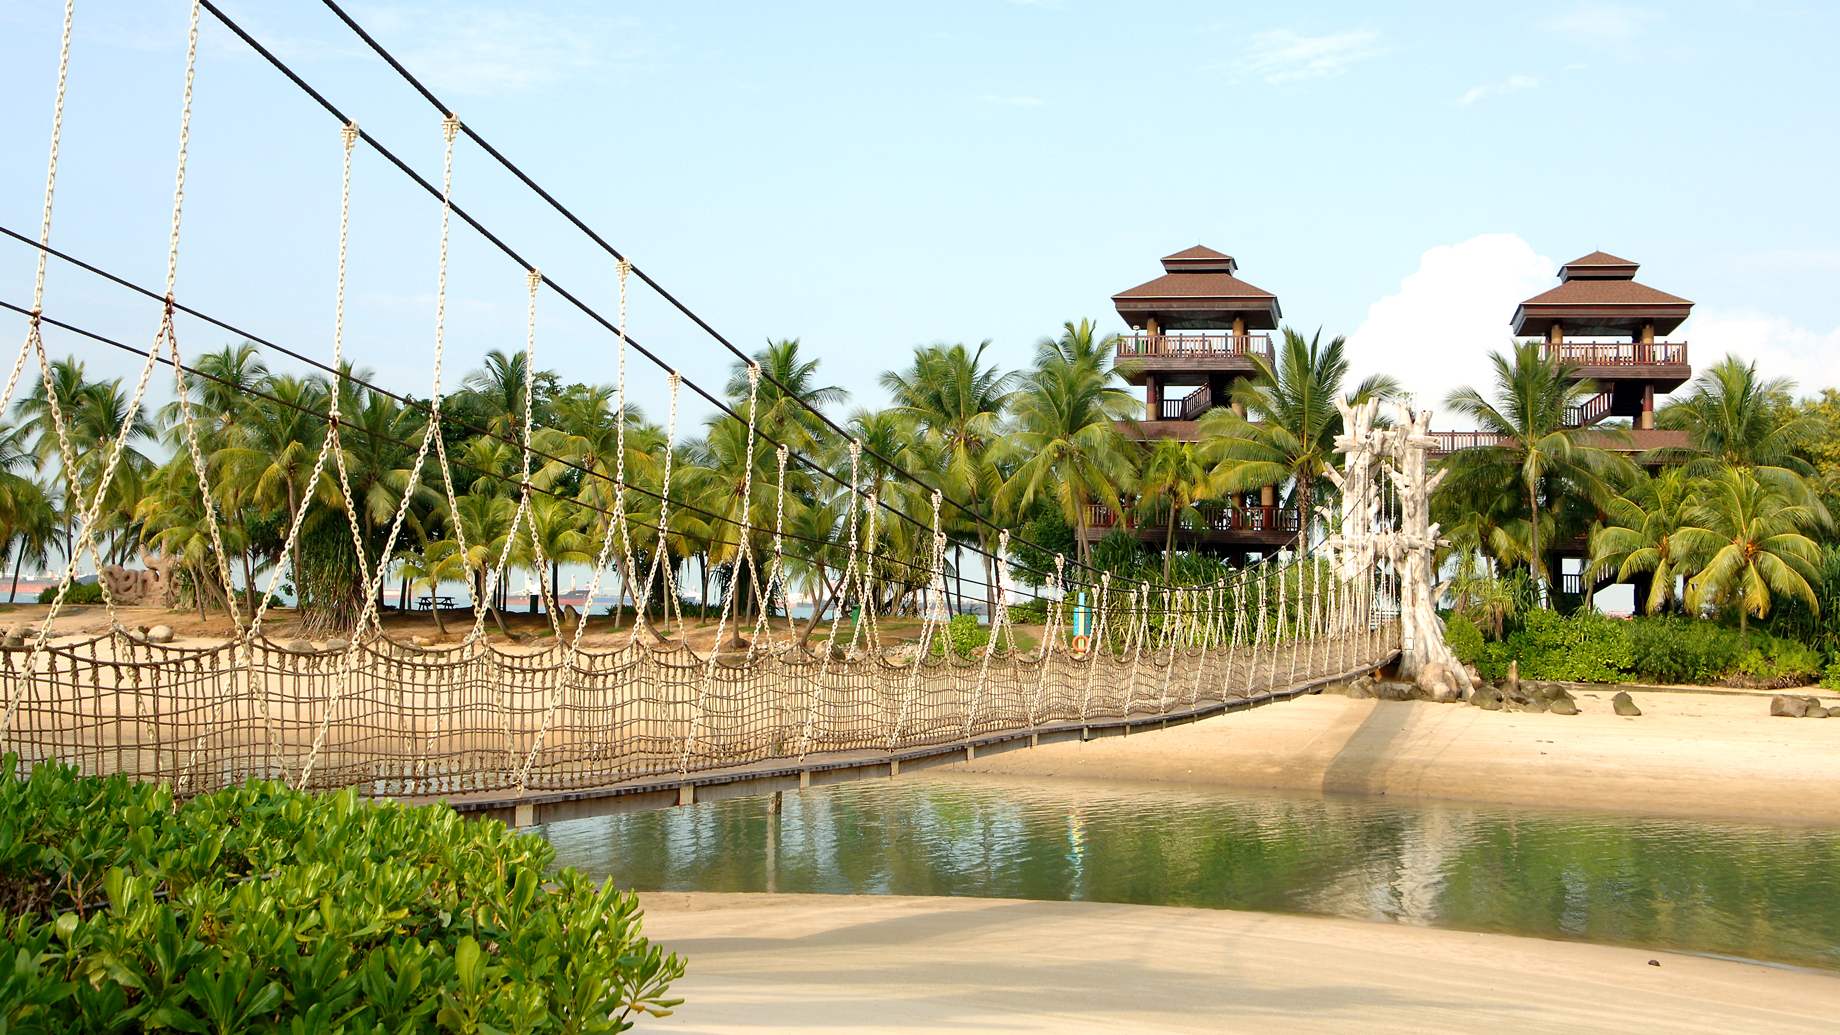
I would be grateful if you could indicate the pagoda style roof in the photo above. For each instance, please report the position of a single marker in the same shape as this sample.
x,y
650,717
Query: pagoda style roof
x,y
1598,295
1198,290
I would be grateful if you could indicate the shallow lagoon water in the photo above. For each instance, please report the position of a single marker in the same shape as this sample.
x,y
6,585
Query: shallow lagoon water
x,y
1755,891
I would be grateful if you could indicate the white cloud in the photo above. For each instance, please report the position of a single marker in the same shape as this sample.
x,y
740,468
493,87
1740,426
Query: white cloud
x,y
1436,333
1281,55
1026,102
1779,347
1603,23
1509,85
472,50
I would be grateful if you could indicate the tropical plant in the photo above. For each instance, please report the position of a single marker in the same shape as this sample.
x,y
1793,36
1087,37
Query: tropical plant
x,y
1067,446
1745,533
1290,421
1174,478
1640,536
1535,448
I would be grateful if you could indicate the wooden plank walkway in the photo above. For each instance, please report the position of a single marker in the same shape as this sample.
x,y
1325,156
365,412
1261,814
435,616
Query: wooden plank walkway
x,y
816,770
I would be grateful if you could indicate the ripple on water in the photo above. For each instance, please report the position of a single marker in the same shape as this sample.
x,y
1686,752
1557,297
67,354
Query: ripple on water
x,y
1757,891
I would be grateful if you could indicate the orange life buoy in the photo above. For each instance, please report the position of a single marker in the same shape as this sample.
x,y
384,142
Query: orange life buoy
x,y
1081,643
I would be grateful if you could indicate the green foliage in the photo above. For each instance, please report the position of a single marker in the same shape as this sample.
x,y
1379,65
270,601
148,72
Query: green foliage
x,y
1585,647
80,593
1464,638
1830,678
1048,530
1776,661
1030,612
964,635
264,910
1675,649
1120,553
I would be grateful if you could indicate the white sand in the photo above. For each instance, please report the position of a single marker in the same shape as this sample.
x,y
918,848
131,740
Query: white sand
x,y
886,964
1696,754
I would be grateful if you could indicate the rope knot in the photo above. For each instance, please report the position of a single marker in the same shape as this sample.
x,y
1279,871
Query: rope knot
x,y
753,375
450,126
676,380
349,133
625,267
533,277
855,449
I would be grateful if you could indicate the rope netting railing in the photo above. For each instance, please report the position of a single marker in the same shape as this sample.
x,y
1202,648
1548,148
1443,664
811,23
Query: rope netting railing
x,y
392,718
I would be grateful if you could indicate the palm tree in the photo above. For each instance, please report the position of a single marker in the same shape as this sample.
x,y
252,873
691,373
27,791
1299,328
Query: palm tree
x,y
1291,420
498,391
1746,531
1175,477
1733,417
957,402
1534,446
1067,444
272,451
782,414
1642,536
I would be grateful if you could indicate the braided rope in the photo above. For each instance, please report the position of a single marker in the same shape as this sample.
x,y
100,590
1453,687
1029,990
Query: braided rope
x,y
374,589
44,225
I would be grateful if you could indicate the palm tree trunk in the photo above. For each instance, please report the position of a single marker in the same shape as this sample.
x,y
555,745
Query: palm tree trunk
x,y
555,584
1533,540
830,594
18,559
1169,542
703,572
1082,550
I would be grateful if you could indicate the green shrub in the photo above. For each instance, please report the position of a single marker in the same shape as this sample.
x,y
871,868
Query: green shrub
x,y
261,909
1779,661
1585,647
80,593
1464,638
965,636
1830,678
1033,612
1676,649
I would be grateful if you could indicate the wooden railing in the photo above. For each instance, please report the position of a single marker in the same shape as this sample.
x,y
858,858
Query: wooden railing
x,y
1451,441
1189,407
1618,353
1198,344
1234,519
1588,412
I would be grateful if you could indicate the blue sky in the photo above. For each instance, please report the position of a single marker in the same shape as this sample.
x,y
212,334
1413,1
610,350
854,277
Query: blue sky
x,y
869,177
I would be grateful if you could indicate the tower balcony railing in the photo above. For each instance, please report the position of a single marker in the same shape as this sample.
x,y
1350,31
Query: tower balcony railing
x,y
1193,344
1189,407
1100,517
1617,353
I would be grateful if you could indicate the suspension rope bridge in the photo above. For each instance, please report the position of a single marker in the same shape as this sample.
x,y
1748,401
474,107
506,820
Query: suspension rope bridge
x,y
650,720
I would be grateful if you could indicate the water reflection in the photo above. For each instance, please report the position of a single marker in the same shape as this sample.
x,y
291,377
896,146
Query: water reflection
x,y
1752,890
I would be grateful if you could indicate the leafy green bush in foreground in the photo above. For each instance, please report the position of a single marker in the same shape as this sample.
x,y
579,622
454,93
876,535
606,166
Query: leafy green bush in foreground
x,y
260,909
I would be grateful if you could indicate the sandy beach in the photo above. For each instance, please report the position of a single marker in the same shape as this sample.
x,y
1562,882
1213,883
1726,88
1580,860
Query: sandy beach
x,y
858,964
1689,753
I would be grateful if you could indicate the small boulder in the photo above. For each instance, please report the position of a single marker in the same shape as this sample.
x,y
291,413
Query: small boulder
x,y
569,614
1512,681
1432,674
1788,706
160,634
300,646
1562,706
336,644
422,641
1529,703
1624,704
1815,711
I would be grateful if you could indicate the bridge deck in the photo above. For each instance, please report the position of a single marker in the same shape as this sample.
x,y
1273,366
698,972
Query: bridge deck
x,y
818,769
